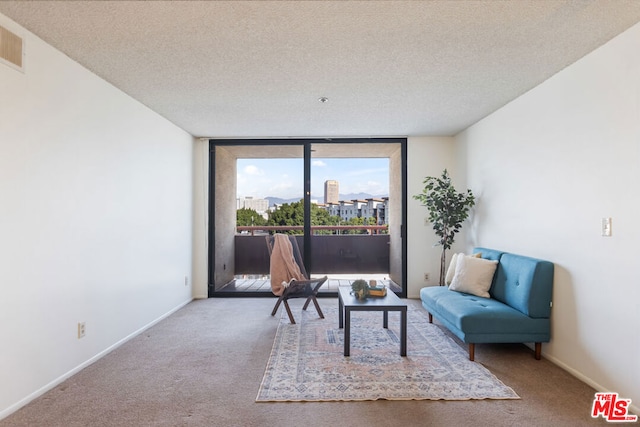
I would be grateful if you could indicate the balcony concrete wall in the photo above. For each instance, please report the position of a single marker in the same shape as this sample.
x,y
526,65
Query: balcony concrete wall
x,y
225,216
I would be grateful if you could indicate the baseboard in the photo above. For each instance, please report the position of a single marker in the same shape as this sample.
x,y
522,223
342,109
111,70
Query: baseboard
x,y
23,402
634,407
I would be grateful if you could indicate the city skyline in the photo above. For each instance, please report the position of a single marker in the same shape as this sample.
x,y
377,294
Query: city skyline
x,y
283,178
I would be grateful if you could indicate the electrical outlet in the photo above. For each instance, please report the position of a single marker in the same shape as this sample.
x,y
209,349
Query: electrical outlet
x,y
186,280
82,329
426,277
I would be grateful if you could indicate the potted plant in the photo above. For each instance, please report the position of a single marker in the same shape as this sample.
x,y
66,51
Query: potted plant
x,y
360,289
447,211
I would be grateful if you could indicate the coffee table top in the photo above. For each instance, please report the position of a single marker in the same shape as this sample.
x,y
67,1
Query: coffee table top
x,y
390,300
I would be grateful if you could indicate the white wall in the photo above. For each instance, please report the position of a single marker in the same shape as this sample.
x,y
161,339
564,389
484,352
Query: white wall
x,y
95,219
201,219
547,168
427,156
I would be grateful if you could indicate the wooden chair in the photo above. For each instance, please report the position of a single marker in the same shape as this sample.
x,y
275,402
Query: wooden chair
x,y
287,266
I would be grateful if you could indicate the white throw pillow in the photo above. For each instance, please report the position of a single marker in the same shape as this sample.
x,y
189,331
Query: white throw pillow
x,y
451,271
473,276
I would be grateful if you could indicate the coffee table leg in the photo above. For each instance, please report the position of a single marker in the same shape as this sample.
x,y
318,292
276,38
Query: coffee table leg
x,y
347,332
340,313
403,332
385,319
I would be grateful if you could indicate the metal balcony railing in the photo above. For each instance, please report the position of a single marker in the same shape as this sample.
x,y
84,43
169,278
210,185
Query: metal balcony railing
x,y
336,229
330,253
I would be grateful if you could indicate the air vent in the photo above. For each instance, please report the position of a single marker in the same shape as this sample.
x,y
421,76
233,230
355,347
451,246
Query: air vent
x,y
11,49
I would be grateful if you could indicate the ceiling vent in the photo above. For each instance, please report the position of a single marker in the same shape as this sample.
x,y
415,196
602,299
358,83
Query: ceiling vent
x,y
11,49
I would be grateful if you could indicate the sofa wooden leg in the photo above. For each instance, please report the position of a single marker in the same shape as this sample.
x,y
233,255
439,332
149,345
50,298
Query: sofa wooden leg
x,y
472,351
538,350
430,318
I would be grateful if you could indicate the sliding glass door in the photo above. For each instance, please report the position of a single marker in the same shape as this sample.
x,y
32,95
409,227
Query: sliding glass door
x,y
343,199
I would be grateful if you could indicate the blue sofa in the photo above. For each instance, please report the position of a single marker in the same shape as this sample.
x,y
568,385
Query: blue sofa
x,y
517,312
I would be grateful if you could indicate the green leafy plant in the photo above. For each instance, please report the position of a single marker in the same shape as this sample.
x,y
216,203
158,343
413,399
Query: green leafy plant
x,y
246,216
360,288
447,211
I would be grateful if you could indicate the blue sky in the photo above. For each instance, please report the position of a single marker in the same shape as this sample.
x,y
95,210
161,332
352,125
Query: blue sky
x,y
282,178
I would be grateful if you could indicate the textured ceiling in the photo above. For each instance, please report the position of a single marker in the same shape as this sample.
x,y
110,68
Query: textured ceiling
x,y
257,69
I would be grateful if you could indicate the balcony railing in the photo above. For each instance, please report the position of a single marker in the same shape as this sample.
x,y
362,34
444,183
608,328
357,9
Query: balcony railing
x,y
330,253
337,229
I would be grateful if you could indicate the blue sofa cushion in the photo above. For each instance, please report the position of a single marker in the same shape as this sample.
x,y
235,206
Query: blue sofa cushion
x,y
477,319
525,284
474,314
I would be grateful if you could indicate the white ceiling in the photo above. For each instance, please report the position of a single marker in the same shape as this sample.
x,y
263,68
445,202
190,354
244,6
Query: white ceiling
x,y
258,68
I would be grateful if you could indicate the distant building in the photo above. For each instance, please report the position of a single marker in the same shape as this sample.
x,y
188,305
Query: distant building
x,y
331,192
259,205
374,209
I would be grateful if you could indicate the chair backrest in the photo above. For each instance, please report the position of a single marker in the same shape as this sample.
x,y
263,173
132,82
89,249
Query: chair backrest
x,y
297,256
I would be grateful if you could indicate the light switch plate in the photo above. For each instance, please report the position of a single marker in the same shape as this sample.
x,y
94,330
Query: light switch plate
x,y
606,227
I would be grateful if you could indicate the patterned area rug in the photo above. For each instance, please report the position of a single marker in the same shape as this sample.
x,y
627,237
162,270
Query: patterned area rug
x,y
307,362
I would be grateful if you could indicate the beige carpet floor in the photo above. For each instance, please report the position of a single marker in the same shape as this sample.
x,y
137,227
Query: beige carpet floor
x,y
203,366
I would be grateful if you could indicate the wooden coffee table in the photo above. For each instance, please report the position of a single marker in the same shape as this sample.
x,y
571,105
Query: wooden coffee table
x,y
348,303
